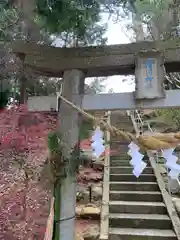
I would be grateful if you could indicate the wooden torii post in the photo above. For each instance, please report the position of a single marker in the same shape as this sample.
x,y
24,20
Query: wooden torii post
x,y
147,60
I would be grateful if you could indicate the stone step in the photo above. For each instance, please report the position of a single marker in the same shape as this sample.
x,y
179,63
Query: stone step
x,y
120,156
120,163
118,149
137,207
121,159
121,119
123,127
135,196
121,150
140,234
124,162
134,186
122,169
131,178
148,221
123,155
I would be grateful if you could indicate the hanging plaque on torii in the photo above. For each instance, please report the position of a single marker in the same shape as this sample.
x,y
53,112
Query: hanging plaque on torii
x,y
149,75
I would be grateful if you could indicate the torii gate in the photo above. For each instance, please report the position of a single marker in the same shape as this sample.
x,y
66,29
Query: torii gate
x,y
144,59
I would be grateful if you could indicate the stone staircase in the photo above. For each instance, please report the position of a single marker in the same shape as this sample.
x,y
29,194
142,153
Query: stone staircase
x,y
136,207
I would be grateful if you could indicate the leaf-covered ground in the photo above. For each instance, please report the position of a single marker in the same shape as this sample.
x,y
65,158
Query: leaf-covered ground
x,y
20,219
15,224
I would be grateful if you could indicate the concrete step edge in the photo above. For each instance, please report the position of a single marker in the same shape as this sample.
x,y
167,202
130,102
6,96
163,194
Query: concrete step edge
x,y
129,174
133,183
142,232
135,192
137,203
139,216
130,167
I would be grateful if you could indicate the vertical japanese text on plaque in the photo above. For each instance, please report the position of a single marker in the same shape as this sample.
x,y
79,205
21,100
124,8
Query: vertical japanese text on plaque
x,y
149,74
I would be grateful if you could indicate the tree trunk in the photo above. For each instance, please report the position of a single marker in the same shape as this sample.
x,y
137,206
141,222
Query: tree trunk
x,y
31,33
138,28
69,129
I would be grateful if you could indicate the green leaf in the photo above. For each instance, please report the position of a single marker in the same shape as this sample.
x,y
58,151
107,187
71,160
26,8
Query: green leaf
x,y
53,141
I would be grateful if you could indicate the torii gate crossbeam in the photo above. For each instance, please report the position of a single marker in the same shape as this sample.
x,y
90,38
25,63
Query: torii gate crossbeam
x,y
126,101
108,101
111,60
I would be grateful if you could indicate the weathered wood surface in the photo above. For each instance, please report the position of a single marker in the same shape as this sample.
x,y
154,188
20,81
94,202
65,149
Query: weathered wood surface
x,y
94,61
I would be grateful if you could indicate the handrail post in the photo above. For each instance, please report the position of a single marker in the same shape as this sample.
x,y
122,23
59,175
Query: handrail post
x,y
104,227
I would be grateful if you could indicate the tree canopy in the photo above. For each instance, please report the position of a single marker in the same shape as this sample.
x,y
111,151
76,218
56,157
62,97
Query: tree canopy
x,y
61,16
74,23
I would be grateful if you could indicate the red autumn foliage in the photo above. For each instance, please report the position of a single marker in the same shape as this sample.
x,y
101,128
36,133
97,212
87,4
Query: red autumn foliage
x,y
23,130
22,134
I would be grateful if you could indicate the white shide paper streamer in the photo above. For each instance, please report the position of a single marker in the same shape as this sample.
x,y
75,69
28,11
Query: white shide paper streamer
x,y
171,163
136,159
98,142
